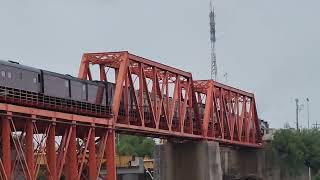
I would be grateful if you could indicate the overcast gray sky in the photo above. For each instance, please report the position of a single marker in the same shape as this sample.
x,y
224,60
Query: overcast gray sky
x,y
268,47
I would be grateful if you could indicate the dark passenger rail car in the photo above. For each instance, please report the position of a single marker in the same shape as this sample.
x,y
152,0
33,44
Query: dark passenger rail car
x,y
56,85
77,95
33,87
69,87
96,93
16,76
23,85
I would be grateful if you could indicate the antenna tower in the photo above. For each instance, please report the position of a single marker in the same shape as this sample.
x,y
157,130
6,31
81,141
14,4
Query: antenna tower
x,y
214,68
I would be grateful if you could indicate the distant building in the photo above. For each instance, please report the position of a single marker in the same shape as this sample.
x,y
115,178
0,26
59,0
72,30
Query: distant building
x,y
266,131
264,126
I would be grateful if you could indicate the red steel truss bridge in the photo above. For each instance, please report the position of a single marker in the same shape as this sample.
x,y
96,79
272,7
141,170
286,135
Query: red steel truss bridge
x,y
168,104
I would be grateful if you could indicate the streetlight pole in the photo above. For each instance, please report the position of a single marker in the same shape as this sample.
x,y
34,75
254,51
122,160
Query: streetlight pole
x,y
309,169
308,114
297,113
309,172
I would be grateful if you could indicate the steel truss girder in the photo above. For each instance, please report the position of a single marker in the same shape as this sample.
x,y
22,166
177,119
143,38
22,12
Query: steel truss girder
x,y
231,112
229,115
43,142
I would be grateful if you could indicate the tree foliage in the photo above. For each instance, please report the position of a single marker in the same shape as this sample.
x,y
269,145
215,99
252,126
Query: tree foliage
x,y
135,145
297,149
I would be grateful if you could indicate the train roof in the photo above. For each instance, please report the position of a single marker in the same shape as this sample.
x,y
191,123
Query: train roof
x,y
65,76
69,77
18,65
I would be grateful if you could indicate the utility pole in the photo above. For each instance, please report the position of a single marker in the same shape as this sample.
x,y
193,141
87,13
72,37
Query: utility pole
x,y
297,113
308,114
309,168
316,125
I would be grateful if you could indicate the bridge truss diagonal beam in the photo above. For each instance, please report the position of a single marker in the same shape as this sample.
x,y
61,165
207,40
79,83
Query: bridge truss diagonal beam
x,y
167,102
34,141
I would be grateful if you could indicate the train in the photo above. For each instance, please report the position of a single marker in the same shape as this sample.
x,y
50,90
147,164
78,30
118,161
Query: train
x,y
28,86
20,84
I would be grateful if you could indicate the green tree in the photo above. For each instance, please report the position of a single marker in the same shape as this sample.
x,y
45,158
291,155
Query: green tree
x,y
135,145
297,149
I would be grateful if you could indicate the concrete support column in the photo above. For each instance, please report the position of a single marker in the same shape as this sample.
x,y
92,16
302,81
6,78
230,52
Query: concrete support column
x,y
130,177
243,162
188,161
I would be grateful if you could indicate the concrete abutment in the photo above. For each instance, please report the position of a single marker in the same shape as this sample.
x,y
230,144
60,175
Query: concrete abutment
x,y
188,161
209,161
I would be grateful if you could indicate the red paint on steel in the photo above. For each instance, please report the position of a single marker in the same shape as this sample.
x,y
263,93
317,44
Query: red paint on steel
x,y
110,151
6,147
29,149
51,152
83,152
167,103
72,156
227,113
92,156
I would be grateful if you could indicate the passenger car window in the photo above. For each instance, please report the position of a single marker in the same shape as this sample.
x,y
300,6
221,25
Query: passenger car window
x,y
3,73
9,75
34,80
67,83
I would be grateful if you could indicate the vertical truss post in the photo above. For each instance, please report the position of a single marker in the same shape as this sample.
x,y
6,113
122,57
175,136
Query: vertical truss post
x,y
190,106
84,66
92,156
257,124
154,96
72,155
222,113
29,148
126,99
120,77
6,150
208,110
180,123
167,101
141,94
111,163
51,153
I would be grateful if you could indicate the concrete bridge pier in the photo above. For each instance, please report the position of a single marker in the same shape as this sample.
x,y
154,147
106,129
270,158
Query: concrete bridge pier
x,y
188,161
